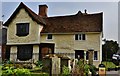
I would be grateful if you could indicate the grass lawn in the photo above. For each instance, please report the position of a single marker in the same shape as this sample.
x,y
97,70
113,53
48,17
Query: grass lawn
x,y
0,69
109,64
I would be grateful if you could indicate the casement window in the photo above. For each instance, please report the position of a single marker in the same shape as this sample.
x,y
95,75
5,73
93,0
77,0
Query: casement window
x,y
80,37
22,29
49,37
95,55
24,52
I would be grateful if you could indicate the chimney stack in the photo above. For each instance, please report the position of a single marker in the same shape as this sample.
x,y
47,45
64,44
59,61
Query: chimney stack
x,y
43,10
85,11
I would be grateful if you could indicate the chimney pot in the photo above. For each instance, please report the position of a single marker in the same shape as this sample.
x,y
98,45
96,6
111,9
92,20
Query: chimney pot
x,y
43,10
85,11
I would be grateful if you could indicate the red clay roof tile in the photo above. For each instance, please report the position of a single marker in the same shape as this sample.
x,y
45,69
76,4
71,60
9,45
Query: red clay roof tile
x,y
74,23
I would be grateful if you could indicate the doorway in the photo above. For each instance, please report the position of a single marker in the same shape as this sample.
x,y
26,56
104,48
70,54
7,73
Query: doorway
x,y
45,48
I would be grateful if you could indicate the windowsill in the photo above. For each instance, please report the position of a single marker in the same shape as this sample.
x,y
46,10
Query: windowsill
x,y
22,35
93,60
49,39
80,40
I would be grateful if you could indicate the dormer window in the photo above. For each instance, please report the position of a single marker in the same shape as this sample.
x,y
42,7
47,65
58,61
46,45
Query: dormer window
x,y
22,29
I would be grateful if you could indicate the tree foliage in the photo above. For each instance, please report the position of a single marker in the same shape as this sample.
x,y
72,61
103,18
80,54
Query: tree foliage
x,y
109,48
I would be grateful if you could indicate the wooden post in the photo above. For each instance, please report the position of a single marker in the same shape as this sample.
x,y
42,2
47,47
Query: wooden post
x,y
90,57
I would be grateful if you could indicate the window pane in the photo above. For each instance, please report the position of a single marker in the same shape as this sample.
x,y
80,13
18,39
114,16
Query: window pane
x,y
76,36
22,29
49,36
83,36
24,52
95,55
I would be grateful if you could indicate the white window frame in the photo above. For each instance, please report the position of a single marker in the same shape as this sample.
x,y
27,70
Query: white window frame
x,y
94,55
80,35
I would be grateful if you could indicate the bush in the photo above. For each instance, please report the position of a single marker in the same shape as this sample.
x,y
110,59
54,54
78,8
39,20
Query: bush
x,y
86,69
8,72
16,72
39,63
22,72
93,69
65,71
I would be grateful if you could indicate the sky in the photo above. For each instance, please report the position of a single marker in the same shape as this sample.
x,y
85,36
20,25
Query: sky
x,y
108,7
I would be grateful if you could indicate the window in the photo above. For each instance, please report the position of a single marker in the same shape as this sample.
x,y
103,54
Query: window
x,y
24,52
80,37
95,55
49,36
22,29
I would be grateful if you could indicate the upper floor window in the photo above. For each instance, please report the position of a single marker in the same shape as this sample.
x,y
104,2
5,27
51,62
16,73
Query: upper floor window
x,y
49,37
80,37
22,29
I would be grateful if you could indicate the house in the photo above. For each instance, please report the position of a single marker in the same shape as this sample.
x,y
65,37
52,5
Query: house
x,y
32,36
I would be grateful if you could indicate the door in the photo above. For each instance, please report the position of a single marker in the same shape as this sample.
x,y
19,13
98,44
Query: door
x,y
45,48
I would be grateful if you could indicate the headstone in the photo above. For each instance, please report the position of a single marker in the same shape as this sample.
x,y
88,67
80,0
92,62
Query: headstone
x,y
55,66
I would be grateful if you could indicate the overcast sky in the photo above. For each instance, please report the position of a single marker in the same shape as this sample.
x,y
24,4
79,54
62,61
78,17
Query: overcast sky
x,y
109,9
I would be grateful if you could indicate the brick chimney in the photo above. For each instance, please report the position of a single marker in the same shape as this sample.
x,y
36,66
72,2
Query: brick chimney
x,y
43,10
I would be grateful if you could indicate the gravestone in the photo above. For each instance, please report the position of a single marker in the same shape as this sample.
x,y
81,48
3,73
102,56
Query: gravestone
x,y
55,66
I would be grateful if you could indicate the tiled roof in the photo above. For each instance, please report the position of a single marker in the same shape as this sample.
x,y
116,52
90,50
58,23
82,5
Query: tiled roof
x,y
74,23
34,16
64,24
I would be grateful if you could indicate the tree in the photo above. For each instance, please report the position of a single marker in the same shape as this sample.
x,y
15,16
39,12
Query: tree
x,y
108,49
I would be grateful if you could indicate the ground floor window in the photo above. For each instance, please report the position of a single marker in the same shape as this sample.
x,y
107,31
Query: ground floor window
x,y
24,52
95,55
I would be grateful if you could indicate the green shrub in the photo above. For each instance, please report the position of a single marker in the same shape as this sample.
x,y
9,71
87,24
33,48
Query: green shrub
x,y
8,72
93,69
39,63
86,69
22,72
16,72
65,71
